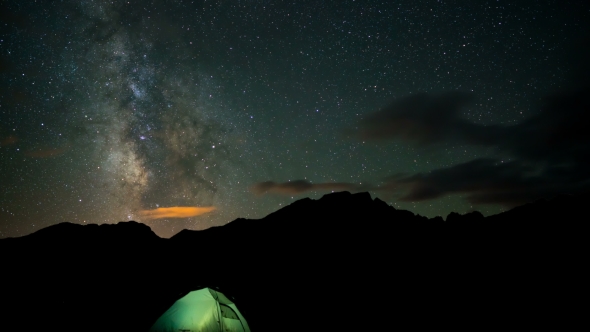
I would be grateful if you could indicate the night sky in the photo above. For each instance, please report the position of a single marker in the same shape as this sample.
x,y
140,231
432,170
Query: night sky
x,y
189,114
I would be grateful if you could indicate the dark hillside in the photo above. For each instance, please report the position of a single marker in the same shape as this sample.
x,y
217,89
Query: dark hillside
x,y
343,262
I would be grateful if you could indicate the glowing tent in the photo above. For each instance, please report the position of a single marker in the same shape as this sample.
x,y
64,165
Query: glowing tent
x,y
204,310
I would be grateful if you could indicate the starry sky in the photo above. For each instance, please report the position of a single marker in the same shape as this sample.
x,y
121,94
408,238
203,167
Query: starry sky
x,y
189,114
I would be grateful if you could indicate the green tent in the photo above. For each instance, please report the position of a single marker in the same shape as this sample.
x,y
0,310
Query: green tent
x,y
200,311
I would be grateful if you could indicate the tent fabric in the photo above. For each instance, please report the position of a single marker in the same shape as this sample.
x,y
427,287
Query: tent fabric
x,y
204,310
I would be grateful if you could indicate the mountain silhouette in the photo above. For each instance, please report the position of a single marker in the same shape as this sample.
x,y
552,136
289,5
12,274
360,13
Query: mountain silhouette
x,y
342,262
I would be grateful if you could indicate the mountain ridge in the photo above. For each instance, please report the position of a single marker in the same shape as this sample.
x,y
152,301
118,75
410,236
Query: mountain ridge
x,y
361,196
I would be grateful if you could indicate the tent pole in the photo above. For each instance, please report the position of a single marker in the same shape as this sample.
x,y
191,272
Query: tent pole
x,y
218,310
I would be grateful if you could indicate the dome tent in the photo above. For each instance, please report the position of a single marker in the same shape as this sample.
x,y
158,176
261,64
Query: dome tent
x,y
204,310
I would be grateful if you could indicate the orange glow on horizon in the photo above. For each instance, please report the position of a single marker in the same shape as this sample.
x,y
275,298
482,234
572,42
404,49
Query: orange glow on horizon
x,y
176,212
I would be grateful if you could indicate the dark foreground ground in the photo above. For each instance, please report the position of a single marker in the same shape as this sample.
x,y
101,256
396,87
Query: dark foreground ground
x,y
344,262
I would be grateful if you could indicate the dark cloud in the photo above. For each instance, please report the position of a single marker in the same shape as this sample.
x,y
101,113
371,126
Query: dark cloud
x,y
557,133
549,152
483,181
489,181
302,186
426,118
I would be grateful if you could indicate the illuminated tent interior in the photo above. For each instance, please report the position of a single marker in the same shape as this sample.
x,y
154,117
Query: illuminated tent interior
x,y
204,310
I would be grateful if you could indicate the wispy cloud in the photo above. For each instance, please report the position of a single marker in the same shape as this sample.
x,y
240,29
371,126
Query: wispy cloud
x,y
302,186
176,212
547,153
9,140
427,118
46,152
